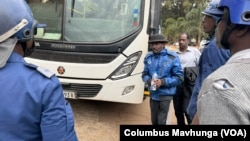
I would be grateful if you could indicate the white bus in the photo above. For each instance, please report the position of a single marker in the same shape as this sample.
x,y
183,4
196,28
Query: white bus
x,y
95,47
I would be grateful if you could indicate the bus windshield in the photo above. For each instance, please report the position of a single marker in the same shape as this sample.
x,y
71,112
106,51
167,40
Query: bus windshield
x,y
95,21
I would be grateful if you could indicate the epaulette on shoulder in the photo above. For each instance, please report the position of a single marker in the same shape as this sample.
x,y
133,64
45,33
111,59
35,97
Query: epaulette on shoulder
x,y
171,54
42,70
45,71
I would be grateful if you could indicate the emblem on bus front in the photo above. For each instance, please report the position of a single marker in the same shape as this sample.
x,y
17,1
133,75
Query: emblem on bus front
x,y
60,70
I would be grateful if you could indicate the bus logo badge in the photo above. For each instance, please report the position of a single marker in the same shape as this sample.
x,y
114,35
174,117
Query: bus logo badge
x,y
60,70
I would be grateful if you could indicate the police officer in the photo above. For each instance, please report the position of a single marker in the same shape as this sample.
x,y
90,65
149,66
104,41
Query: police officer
x,y
212,56
32,105
225,95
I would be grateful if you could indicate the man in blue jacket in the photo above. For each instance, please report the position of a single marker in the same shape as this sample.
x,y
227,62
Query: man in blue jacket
x,y
212,56
166,65
32,105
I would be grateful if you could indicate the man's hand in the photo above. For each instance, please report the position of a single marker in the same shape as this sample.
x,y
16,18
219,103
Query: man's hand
x,y
158,83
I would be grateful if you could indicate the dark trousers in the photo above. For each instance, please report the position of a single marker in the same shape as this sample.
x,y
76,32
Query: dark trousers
x,y
159,111
180,102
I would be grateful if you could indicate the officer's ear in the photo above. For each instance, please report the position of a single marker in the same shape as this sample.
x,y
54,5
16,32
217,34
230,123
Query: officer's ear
x,y
30,48
30,44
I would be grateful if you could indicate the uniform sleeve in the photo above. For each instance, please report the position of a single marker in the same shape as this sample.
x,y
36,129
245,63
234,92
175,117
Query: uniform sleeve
x,y
192,106
222,103
145,74
57,120
211,110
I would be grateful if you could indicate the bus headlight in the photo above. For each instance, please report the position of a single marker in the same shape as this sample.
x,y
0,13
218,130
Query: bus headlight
x,y
126,67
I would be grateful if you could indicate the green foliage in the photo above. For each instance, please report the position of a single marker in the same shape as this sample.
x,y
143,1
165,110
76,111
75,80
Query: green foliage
x,y
182,16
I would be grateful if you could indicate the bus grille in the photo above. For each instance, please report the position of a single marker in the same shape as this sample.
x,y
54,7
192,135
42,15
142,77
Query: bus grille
x,y
73,57
83,90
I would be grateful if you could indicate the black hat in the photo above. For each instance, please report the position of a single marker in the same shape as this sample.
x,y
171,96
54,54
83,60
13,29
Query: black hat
x,y
157,38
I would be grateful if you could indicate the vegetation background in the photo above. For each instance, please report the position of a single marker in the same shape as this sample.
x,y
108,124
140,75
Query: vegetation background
x,y
183,16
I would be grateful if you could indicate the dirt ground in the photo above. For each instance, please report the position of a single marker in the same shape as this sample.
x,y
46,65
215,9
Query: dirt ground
x,y
100,121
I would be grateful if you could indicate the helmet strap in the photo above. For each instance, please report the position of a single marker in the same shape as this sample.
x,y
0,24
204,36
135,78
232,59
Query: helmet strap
x,y
229,29
225,37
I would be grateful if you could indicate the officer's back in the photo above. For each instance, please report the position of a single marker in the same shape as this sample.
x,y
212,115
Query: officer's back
x,y
32,104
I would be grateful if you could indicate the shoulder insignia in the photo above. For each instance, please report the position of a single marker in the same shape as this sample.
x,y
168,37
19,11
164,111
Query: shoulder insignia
x,y
45,71
30,65
40,69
